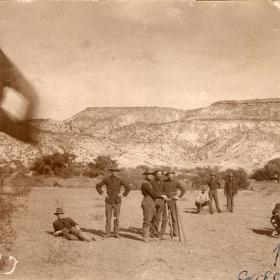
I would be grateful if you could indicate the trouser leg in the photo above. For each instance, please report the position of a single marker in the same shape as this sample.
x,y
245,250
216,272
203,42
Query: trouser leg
x,y
164,219
198,206
216,199
158,216
148,207
67,234
117,211
79,234
108,211
211,202
174,217
231,203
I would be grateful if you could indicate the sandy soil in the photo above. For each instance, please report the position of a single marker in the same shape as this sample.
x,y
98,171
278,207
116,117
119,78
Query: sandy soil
x,y
217,246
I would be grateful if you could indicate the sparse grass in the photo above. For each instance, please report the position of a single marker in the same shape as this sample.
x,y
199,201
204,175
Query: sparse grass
x,y
56,253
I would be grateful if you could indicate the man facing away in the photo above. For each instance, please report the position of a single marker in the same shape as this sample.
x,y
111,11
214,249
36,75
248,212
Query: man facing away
x,y
202,199
148,203
170,189
230,190
68,228
157,184
113,185
214,185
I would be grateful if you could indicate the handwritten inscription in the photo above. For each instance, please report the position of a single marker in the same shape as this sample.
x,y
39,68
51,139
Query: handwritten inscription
x,y
268,275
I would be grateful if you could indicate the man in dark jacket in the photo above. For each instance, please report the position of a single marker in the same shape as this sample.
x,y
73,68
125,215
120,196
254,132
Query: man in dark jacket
x,y
170,189
214,185
230,190
68,228
148,203
157,184
113,185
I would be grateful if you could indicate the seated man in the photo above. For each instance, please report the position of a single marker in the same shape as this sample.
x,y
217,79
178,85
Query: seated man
x,y
275,220
202,199
68,228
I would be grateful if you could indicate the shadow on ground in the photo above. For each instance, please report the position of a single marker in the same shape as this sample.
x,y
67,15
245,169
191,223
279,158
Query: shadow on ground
x,y
263,231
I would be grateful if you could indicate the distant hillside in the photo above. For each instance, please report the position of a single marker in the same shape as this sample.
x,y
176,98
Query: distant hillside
x,y
227,133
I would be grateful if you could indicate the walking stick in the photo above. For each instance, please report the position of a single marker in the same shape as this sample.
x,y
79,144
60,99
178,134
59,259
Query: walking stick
x,y
180,228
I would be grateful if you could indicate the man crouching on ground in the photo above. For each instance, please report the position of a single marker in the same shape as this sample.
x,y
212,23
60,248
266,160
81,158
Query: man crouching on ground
x,y
68,228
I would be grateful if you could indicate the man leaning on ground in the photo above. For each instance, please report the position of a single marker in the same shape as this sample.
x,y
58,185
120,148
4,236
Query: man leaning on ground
x,y
68,228
202,199
170,189
113,185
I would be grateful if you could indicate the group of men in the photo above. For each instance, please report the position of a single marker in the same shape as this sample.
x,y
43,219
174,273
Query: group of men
x,y
207,195
160,193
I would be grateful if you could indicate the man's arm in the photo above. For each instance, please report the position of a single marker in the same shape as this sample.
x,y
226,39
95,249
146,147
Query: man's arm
x,y
182,189
148,188
126,186
99,185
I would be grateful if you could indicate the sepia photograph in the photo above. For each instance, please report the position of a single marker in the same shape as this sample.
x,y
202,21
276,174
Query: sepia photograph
x,y
139,140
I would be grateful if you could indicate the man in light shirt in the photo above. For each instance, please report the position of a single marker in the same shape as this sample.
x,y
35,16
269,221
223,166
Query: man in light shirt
x,y
202,199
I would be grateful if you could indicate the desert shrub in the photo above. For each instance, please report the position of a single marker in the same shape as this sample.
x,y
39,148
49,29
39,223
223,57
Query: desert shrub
x,y
58,164
270,171
100,166
240,175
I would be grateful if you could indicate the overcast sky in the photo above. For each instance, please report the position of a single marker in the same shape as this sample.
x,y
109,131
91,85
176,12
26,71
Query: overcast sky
x,y
171,54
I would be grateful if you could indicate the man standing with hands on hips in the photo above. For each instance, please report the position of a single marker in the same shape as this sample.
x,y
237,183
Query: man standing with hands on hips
x,y
113,185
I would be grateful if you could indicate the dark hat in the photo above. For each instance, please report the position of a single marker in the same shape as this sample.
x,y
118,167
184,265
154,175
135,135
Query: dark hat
x,y
169,172
58,211
212,174
114,167
149,171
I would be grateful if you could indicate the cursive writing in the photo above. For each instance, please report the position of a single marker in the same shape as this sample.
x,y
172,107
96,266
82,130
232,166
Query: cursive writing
x,y
268,275
13,259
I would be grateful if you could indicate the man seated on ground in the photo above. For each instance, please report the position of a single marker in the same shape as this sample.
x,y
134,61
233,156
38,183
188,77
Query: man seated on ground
x,y
275,220
68,228
202,199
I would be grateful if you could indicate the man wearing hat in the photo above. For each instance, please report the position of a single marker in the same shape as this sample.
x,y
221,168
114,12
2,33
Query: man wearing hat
x,y
148,203
157,184
202,199
68,228
113,185
214,185
170,189
230,190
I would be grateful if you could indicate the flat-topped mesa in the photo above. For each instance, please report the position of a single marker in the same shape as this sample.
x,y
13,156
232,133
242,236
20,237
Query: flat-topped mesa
x,y
248,102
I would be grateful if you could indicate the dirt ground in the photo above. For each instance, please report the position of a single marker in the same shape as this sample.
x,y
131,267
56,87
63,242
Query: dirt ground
x,y
217,246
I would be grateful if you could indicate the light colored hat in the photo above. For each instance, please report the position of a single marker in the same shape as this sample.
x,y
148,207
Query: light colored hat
x,y
58,211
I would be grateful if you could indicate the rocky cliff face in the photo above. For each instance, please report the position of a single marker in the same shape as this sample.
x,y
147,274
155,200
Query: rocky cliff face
x,y
227,133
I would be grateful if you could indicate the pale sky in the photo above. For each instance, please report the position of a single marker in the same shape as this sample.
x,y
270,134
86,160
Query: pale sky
x,y
172,54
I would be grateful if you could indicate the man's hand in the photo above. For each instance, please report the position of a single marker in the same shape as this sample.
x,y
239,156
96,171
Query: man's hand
x,y
77,227
56,233
165,198
176,197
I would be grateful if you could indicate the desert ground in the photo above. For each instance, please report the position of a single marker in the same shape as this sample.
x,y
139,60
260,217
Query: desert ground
x,y
217,246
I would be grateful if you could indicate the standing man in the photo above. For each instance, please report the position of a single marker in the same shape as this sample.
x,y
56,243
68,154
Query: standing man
x,y
230,190
157,185
148,203
113,185
214,185
170,189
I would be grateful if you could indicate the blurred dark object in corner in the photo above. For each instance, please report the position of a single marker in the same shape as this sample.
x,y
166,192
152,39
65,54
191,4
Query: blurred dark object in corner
x,y
11,77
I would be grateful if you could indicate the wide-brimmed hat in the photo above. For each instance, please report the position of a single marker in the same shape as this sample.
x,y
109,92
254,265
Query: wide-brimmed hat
x,y
213,174
169,172
149,171
58,211
204,188
114,167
